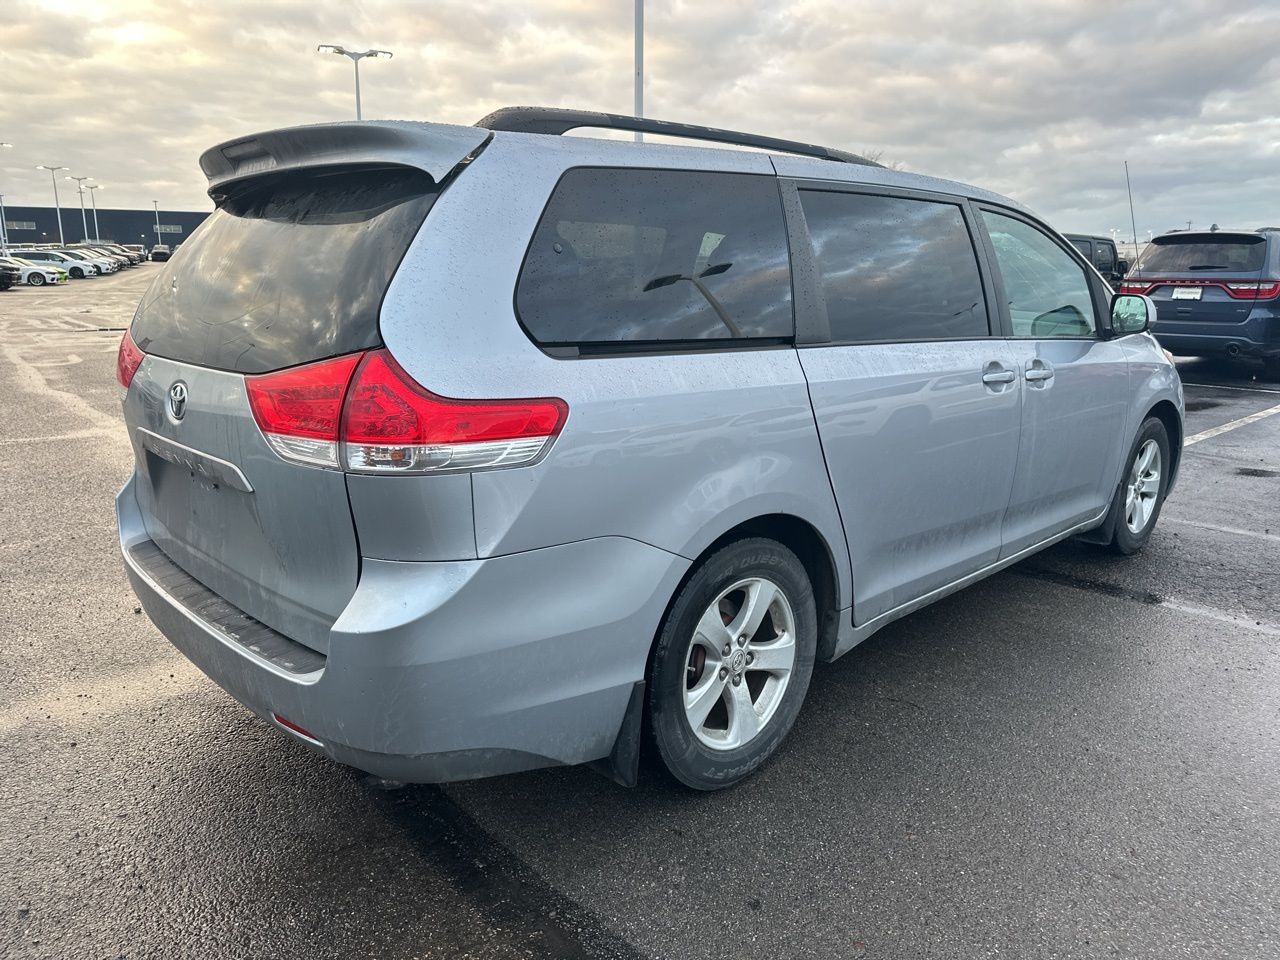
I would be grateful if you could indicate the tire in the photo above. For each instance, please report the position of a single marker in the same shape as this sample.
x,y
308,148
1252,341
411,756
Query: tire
x,y
720,752
36,280
77,273
1135,520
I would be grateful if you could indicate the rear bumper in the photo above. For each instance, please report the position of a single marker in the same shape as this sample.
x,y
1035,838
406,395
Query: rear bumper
x,y
1256,336
442,671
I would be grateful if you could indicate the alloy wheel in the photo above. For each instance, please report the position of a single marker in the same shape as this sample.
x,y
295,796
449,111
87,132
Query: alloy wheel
x,y
1143,487
739,663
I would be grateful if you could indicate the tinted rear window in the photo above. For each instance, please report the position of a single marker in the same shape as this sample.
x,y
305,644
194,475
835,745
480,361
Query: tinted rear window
x,y
287,271
657,257
1198,254
895,269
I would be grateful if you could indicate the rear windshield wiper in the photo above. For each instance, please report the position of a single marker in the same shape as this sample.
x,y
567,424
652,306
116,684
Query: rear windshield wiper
x,y
1209,266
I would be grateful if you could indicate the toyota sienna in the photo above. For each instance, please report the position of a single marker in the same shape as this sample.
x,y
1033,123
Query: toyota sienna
x,y
469,450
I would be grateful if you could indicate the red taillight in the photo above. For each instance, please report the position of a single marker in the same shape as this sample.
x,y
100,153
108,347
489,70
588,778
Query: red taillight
x,y
362,412
1262,290
392,424
1265,290
299,410
128,359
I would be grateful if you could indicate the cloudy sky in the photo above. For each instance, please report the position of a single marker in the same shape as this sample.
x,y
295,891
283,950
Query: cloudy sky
x,y
1042,100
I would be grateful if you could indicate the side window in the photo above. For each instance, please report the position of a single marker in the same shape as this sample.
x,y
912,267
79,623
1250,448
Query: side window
x,y
895,269
1048,292
1084,247
657,256
1106,259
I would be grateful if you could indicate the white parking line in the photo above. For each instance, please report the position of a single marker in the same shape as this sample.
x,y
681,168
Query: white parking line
x,y
1221,616
73,435
89,701
1243,421
1220,386
1236,531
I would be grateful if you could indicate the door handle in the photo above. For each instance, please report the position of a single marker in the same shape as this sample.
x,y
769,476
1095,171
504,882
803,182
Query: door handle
x,y
1037,371
999,376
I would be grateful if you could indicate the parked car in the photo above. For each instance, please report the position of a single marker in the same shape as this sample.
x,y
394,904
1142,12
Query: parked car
x,y
119,257
160,252
137,249
1101,252
33,274
1217,292
76,267
683,421
10,276
104,264
133,256
114,260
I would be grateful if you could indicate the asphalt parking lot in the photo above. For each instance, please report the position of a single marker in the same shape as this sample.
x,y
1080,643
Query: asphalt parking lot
x,y
1076,758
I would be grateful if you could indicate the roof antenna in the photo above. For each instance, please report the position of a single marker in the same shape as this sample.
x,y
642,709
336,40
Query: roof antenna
x,y
1132,220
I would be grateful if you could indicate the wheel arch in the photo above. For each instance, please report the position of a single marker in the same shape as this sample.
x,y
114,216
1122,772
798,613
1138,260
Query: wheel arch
x,y
815,553
1167,413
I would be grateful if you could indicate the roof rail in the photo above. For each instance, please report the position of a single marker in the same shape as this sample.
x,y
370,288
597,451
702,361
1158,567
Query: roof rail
x,y
555,122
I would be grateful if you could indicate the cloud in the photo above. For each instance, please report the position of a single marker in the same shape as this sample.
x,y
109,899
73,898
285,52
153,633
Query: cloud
x,y
1042,102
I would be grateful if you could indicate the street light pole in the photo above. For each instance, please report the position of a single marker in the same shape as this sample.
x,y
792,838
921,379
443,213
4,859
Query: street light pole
x,y
355,57
639,66
93,189
156,204
57,205
84,223
4,230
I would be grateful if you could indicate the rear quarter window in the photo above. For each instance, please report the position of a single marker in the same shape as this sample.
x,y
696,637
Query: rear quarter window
x,y
657,258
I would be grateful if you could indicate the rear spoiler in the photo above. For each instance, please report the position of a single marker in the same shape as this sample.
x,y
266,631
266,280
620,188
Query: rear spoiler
x,y
434,148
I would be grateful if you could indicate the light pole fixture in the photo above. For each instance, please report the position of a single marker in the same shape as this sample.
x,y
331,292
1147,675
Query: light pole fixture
x,y
93,189
4,230
84,223
355,57
57,206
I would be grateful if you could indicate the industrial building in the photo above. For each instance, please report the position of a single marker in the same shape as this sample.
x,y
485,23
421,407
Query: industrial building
x,y
25,225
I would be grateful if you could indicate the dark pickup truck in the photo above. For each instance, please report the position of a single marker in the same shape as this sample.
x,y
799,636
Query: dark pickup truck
x,y
1101,252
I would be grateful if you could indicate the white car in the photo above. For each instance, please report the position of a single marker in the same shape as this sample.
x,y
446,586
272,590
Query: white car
x,y
75,266
102,263
36,275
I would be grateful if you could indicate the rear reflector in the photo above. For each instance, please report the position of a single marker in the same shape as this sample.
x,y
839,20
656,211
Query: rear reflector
x,y
128,359
294,728
362,412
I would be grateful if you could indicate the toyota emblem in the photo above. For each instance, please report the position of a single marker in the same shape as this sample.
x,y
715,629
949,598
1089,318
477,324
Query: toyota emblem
x,y
178,400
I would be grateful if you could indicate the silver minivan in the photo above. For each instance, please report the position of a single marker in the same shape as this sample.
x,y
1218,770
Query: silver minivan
x,y
469,450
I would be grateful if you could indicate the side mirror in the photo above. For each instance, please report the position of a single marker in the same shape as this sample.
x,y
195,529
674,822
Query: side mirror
x,y
1122,267
1131,313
